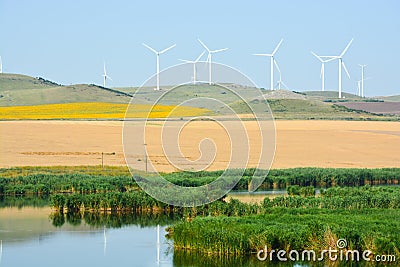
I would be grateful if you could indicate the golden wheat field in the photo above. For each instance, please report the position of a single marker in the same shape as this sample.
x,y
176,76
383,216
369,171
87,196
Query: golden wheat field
x,y
353,144
96,110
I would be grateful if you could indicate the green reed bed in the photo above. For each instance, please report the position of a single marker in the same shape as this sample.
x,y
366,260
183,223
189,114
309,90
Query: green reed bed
x,y
291,228
95,179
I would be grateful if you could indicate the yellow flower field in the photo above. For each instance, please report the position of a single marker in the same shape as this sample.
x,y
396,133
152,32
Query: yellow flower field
x,y
96,110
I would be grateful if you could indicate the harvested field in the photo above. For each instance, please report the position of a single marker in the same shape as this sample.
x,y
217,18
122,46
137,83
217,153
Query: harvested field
x,y
354,144
375,107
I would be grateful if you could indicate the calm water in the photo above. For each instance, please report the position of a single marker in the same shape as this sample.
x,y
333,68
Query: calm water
x,y
33,240
31,237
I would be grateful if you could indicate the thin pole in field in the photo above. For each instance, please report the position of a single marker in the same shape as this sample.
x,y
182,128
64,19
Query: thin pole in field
x,y
145,155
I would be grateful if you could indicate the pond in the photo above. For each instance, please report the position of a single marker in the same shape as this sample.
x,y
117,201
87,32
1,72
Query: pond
x,y
31,236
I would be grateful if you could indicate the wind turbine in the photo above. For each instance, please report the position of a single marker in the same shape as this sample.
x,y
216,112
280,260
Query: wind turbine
x,y
105,76
341,63
280,82
158,53
194,65
322,75
362,79
209,58
273,62
1,65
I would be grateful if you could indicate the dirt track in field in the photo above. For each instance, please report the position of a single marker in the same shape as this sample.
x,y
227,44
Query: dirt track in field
x,y
299,144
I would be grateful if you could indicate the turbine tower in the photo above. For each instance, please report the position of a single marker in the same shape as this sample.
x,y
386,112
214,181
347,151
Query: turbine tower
x,y
194,62
1,65
158,53
209,58
341,63
273,62
362,79
105,76
322,75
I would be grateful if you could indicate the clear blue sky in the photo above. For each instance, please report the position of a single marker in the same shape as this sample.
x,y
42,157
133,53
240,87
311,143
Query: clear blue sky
x,y
67,41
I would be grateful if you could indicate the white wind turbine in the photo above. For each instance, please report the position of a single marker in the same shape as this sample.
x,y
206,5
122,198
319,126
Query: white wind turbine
x,y
105,76
280,82
1,65
158,53
361,92
209,58
273,62
322,75
341,63
194,62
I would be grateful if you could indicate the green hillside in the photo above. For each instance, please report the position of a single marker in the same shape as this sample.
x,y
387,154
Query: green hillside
x,y
21,90
310,109
331,95
392,98
12,82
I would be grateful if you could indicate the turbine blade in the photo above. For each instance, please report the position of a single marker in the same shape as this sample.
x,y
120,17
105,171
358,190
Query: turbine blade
x,y
166,49
219,50
347,47
277,47
203,45
108,77
263,55
198,58
276,65
318,57
186,61
345,69
332,58
284,84
149,48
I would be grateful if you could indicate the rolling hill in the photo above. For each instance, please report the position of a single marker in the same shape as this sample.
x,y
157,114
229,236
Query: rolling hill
x,y
331,96
21,90
392,98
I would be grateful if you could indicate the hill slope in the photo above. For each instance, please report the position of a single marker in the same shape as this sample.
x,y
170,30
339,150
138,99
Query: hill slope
x,y
392,98
21,90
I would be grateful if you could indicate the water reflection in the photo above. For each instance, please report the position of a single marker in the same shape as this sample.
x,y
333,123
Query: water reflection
x,y
30,237
33,236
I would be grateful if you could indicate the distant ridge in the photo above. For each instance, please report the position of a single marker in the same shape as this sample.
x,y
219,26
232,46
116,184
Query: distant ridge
x,y
284,94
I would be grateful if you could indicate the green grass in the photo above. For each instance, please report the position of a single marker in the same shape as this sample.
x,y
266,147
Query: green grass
x,y
34,180
21,90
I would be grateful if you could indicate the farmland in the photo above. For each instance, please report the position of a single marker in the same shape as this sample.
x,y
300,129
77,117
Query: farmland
x,y
96,110
334,144
385,108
